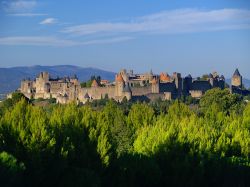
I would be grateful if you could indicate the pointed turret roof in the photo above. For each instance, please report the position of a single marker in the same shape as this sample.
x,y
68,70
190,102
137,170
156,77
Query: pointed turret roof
x,y
154,81
189,76
210,76
151,72
119,78
86,96
236,73
164,77
94,83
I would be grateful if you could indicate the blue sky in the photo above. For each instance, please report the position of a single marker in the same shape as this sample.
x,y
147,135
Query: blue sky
x,y
195,36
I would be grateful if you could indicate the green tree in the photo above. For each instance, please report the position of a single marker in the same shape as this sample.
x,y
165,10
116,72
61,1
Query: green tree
x,y
140,115
11,171
225,101
114,135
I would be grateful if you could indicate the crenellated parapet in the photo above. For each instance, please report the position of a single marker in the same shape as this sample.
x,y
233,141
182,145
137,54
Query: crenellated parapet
x,y
126,85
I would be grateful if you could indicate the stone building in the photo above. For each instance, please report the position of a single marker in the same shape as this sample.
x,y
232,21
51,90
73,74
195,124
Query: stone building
x,y
237,85
146,86
236,79
67,89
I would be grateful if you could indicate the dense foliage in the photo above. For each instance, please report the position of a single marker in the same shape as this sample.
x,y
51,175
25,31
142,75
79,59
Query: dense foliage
x,y
127,144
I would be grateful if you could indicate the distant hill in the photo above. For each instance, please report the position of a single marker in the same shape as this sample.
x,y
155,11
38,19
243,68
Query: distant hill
x,y
246,82
11,77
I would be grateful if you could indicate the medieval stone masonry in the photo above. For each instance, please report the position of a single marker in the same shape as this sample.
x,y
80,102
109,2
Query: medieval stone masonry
x,y
127,85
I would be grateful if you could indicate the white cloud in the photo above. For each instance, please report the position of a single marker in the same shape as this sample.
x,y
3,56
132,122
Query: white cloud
x,y
48,21
28,14
36,41
169,22
108,40
19,5
54,41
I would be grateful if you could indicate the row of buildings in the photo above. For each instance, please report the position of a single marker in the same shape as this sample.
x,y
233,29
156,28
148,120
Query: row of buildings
x,y
127,85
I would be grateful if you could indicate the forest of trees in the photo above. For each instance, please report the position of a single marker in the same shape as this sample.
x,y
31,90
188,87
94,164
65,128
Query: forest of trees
x,y
104,143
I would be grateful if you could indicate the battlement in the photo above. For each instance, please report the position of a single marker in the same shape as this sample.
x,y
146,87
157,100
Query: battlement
x,y
127,84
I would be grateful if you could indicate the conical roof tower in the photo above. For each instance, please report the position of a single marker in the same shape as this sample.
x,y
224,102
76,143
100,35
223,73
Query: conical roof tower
x,y
236,73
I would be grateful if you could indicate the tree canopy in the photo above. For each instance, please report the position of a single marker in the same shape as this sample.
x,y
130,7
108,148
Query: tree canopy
x,y
127,144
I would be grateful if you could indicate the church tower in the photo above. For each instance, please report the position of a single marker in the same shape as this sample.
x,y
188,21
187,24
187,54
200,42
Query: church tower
x,y
236,79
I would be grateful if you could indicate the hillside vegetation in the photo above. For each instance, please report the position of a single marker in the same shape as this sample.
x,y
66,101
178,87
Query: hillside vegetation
x,y
105,143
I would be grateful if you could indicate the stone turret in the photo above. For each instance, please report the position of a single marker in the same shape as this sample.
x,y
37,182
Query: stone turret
x,y
119,85
164,77
42,86
44,76
211,79
27,88
236,79
221,82
74,80
155,85
124,75
187,84
94,83
178,82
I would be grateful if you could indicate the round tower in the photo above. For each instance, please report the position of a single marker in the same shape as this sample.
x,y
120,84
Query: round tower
x,y
119,85
155,85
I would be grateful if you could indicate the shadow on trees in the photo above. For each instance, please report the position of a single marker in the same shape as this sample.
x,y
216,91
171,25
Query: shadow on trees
x,y
80,165
170,166
175,167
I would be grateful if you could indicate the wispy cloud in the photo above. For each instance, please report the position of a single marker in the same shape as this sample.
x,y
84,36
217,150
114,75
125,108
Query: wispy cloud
x,y
55,42
169,22
48,21
28,14
36,41
108,40
18,5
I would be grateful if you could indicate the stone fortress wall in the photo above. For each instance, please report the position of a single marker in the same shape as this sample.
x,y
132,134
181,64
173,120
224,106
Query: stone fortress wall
x,y
137,91
126,85
98,92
